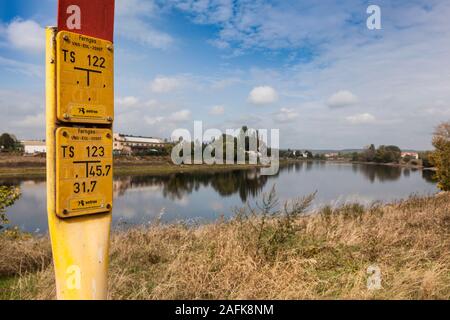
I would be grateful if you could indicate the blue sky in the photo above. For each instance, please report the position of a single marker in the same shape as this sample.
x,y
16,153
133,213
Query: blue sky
x,y
309,68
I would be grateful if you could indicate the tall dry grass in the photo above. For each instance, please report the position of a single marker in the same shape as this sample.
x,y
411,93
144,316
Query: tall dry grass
x,y
280,254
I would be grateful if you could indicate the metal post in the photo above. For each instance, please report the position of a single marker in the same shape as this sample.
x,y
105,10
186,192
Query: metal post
x,y
80,245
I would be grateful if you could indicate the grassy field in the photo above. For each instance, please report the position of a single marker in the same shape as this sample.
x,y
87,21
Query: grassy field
x,y
266,253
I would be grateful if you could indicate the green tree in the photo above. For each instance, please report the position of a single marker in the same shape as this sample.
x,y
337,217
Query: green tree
x,y
426,159
388,154
407,158
441,155
8,142
8,195
368,154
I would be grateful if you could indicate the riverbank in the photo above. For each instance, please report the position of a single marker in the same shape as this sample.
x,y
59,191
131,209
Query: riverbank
x,y
282,257
22,166
392,164
347,161
18,166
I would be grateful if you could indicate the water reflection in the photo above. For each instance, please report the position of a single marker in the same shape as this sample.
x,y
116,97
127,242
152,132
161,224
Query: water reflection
x,y
247,184
139,199
250,183
429,176
177,186
380,172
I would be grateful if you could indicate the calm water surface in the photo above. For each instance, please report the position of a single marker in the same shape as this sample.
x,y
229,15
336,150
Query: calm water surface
x,y
202,197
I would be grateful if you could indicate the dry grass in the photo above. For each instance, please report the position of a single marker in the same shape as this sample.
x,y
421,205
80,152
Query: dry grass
x,y
316,257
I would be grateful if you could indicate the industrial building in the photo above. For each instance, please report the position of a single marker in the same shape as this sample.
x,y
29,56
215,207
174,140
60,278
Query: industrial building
x,y
128,144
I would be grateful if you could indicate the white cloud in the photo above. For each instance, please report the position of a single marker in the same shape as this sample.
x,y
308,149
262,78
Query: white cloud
x,y
165,84
22,67
342,99
154,120
134,22
179,116
127,102
150,103
26,35
286,115
206,12
397,72
134,7
224,83
439,108
244,25
217,110
23,114
438,111
263,95
36,121
171,119
141,32
220,44
363,118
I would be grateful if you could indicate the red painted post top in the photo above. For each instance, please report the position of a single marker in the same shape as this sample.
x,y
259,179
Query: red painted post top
x,y
93,18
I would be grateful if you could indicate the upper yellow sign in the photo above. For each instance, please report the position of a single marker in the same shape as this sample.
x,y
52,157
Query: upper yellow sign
x,y
83,171
84,76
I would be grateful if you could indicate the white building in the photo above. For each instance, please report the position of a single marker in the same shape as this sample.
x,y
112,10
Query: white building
x,y
331,155
412,155
127,144
34,146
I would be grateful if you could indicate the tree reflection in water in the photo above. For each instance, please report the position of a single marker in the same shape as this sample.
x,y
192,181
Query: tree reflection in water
x,y
429,176
176,186
245,183
379,172
207,191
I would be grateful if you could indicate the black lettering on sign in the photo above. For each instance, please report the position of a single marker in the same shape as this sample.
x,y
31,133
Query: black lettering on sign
x,y
71,151
98,170
95,152
95,61
71,55
84,187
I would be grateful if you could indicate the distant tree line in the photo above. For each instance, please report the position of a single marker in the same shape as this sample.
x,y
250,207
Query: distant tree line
x,y
382,154
296,154
243,141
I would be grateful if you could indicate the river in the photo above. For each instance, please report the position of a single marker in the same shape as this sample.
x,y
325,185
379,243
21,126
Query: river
x,y
202,197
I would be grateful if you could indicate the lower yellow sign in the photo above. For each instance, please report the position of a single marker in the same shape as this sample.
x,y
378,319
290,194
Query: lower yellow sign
x,y
84,164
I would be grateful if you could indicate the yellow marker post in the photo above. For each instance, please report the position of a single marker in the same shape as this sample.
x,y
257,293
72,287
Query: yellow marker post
x,y
80,235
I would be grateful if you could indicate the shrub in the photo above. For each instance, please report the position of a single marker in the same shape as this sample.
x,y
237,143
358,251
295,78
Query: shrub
x,y
8,195
441,155
268,228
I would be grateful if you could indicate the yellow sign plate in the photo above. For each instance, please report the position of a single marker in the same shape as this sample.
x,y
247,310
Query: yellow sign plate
x,y
84,164
84,76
